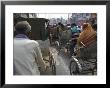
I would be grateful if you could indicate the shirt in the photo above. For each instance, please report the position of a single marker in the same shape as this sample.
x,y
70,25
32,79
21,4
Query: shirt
x,y
74,29
27,57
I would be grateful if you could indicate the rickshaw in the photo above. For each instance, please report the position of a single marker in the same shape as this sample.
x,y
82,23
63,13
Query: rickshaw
x,y
84,60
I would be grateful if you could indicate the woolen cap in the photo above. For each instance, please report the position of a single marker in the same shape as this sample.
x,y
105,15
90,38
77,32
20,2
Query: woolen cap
x,y
23,26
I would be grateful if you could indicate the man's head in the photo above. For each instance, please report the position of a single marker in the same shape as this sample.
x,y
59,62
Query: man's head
x,y
94,26
61,25
23,27
73,24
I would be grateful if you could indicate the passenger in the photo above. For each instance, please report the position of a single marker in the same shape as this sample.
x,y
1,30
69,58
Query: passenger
x,y
61,28
88,35
79,29
73,43
74,29
88,39
75,34
27,54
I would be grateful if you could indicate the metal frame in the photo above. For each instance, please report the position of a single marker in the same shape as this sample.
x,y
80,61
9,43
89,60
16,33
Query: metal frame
x,y
4,3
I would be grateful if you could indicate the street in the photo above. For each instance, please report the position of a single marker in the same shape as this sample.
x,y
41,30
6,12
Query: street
x,y
62,64
57,38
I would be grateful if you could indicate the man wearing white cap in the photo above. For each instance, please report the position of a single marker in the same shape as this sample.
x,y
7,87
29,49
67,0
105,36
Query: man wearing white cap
x,y
27,54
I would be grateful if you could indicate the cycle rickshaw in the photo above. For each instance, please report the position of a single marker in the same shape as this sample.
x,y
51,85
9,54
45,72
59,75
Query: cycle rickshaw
x,y
84,60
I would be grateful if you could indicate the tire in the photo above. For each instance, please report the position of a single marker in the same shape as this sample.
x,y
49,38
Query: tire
x,y
74,70
51,61
53,65
54,69
94,69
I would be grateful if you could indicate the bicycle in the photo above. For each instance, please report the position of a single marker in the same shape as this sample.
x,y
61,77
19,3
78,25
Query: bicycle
x,y
52,64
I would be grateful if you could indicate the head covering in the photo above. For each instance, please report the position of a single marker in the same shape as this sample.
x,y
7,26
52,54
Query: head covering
x,y
87,35
23,26
87,26
73,24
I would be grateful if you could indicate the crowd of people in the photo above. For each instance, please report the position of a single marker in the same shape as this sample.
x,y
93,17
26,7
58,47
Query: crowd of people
x,y
28,58
72,35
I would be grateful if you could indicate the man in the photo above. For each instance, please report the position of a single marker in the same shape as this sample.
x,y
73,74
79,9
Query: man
x,y
75,34
27,54
74,28
94,26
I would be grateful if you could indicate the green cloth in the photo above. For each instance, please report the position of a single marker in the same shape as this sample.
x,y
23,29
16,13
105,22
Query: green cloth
x,y
74,29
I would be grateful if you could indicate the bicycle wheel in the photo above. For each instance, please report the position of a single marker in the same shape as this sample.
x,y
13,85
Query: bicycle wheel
x,y
54,69
74,70
52,65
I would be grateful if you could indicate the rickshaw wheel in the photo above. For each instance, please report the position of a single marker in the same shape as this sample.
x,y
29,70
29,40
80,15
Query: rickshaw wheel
x,y
74,70
54,69
52,64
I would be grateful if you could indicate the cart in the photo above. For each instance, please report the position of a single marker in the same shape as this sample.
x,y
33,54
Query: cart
x,y
85,61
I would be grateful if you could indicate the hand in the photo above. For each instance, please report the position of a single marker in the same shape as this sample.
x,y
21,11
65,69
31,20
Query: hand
x,y
43,69
46,67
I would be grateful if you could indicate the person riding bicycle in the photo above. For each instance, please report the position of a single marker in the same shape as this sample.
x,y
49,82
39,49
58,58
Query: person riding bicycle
x,y
74,29
75,34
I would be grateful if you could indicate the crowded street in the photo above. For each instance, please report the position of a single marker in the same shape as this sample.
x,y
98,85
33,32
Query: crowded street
x,y
63,45
62,64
